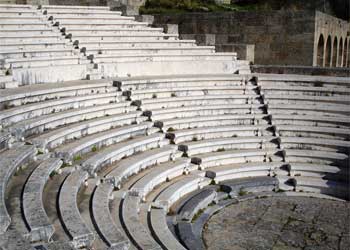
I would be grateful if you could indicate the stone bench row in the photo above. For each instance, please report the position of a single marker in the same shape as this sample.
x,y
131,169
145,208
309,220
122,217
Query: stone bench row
x,y
9,56
163,114
204,80
301,90
135,164
306,99
127,37
80,234
222,144
188,91
309,131
38,125
29,47
10,161
109,155
35,216
17,114
32,37
37,93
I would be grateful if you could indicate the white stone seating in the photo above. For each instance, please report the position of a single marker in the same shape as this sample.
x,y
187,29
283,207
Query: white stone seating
x,y
170,125
189,91
29,37
10,161
331,145
316,109
78,12
68,8
15,7
311,120
32,62
17,114
304,99
109,231
315,156
57,137
317,185
40,124
18,13
302,90
302,80
31,53
179,81
96,141
329,172
162,173
216,132
115,30
82,19
235,156
259,184
43,92
41,228
116,152
222,144
203,110
220,99
146,43
135,164
127,37
179,189
161,230
30,48
197,202
79,233
315,132
242,170
148,50
138,231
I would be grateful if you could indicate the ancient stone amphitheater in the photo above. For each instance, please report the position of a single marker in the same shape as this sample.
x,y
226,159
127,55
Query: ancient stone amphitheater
x,y
115,135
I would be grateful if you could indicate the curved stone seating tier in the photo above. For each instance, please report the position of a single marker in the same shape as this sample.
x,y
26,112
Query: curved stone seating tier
x,y
41,228
120,51
146,43
33,53
170,125
243,170
82,19
116,152
302,80
79,233
162,173
68,8
304,99
179,189
96,141
32,47
135,164
315,109
17,13
10,161
302,90
315,144
222,144
116,29
328,172
33,36
32,62
249,185
40,124
311,120
196,203
161,230
173,102
236,156
316,132
217,132
43,92
138,232
179,81
188,91
317,185
59,136
17,114
126,37
203,110
77,12
110,233
317,157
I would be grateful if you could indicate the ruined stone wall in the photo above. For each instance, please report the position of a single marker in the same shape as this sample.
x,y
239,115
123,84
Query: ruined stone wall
x,y
280,37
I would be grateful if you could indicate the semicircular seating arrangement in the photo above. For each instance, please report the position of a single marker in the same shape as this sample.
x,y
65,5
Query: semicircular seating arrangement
x,y
151,135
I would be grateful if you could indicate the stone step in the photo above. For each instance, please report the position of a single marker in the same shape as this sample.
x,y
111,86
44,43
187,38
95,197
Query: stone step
x,y
30,46
126,37
91,18
72,7
17,13
54,52
146,43
77,13
25,31
34,38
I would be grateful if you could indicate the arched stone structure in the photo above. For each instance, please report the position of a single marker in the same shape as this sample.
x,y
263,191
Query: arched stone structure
x,y
334,52
345,53
340,53
328,52
320,51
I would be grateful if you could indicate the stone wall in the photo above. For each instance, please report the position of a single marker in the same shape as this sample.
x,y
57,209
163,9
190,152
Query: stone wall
x,y
280,37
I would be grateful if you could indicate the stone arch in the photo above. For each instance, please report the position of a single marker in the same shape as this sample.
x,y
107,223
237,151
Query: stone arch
x,y
340,53
328,52
334,52
320,51
345,53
